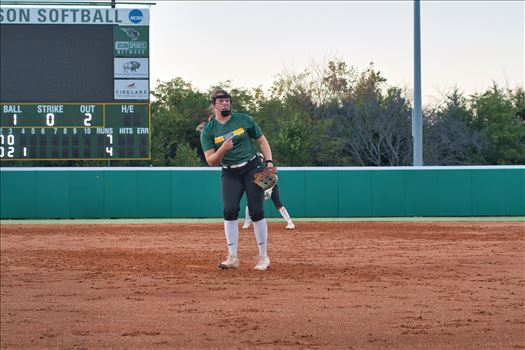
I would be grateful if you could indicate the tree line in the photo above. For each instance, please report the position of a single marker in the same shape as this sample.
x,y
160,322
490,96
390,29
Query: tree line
x,y
335,115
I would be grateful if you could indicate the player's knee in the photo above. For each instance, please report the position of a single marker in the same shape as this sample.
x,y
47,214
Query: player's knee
x,y
257,215
231,214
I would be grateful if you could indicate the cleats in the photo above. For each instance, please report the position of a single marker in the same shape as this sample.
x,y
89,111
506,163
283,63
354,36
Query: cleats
x,y
246,225
290,226
263,263
231,262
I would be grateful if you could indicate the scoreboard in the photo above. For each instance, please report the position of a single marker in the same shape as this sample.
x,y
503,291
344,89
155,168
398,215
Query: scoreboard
x,y
70,131
74,84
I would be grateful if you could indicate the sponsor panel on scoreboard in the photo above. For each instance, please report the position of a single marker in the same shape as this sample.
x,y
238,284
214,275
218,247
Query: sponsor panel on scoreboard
x,y
131,41
131,89
132,67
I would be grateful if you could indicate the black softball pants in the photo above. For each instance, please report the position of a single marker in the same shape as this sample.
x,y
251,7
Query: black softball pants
x,y
237,181
276,197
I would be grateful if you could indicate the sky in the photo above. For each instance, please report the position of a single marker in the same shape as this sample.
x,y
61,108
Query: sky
x,y
464,44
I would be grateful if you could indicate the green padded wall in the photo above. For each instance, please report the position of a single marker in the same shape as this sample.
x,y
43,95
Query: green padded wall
x,y
421,190
514,192
321,194
41,193
388,193
17,195
487,185
454,193
52,193
86,194
154,193
355,198
122,195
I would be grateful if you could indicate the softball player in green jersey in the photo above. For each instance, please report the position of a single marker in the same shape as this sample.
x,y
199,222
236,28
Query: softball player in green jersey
x,y
225,141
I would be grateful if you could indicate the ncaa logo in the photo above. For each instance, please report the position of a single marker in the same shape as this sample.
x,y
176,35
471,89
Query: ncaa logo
x,y
136,16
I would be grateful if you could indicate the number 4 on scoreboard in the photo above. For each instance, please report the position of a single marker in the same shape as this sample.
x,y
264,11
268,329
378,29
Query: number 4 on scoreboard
x,y
109,150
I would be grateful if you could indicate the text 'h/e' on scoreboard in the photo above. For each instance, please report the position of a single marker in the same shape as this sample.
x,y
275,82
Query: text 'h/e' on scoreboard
x,y
74,84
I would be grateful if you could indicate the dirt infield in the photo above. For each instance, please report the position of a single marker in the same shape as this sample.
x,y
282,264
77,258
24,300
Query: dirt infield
x,y
351,285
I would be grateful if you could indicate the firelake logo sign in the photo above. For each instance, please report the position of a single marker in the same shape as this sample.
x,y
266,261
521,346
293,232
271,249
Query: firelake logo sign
x,y
131,89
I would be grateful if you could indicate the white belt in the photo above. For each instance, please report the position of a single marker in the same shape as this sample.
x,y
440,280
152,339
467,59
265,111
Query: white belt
x,y
240,165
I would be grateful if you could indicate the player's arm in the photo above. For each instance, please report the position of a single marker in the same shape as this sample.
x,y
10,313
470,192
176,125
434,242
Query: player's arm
x,y
265,149
214,157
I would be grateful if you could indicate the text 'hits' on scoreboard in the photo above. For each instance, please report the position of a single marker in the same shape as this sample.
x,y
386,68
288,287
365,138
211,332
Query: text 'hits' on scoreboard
x,y
74,84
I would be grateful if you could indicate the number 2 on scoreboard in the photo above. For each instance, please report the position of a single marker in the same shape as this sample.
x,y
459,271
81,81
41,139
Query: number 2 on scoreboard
x,y
87,119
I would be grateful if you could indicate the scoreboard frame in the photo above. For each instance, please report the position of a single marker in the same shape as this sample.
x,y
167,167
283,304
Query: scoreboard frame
x,y
11,146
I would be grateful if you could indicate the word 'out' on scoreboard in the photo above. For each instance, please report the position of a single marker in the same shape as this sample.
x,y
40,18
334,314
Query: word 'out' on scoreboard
x,y
74,84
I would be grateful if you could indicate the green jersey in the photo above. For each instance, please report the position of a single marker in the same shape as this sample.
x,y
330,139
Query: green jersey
x,y
242,127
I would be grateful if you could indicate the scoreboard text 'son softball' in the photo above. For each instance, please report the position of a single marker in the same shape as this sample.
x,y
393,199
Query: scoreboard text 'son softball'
x,y
74,131
74,84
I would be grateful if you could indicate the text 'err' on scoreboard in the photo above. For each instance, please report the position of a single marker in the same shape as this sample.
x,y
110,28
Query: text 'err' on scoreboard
x,y
75,131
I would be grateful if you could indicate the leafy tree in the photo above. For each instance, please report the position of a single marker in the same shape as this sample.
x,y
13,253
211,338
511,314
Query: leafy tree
x,y
449,138
268,115
377,130
186,156
292,142
498,120
314,95
176,112
338,81
518,100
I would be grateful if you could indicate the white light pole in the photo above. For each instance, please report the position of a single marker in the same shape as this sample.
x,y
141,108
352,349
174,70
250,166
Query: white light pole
x,y
417,115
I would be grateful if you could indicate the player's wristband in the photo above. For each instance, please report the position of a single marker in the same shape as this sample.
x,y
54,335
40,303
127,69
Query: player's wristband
x,y
268,161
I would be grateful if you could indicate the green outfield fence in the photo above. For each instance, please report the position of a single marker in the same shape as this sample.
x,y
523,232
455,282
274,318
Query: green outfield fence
x,y
42,193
